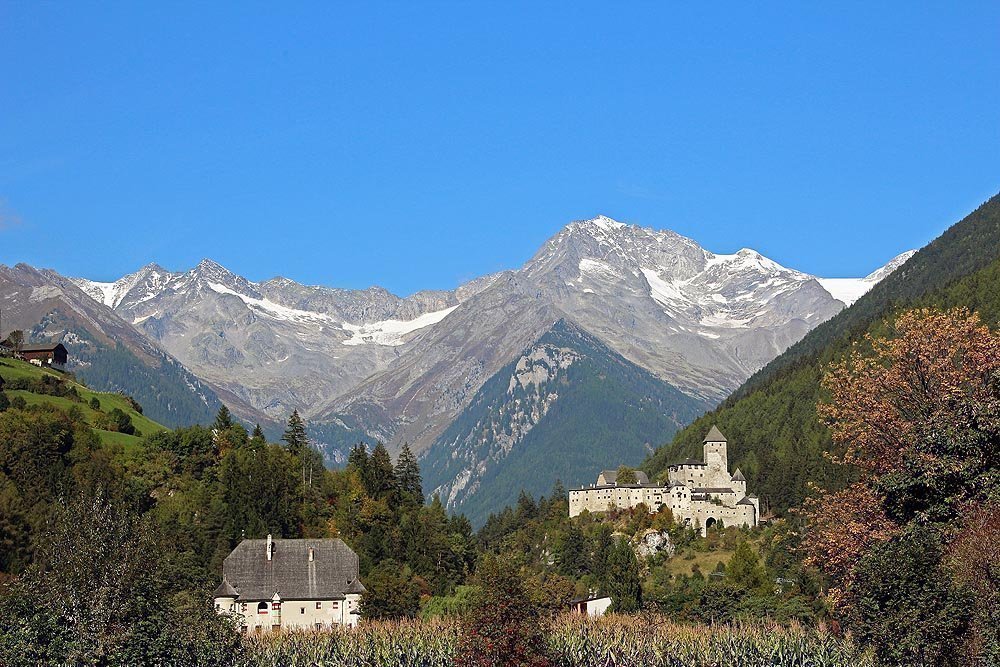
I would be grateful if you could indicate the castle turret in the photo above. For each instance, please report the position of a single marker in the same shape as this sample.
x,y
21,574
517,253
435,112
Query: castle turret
x,y
716,456
225,597
739,484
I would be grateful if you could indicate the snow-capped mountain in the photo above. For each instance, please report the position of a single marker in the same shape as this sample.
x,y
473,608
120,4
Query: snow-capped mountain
x,y
849,290
275,345
405,368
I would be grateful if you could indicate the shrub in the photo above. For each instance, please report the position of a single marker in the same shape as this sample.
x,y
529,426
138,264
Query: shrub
x,y
905,605
503,627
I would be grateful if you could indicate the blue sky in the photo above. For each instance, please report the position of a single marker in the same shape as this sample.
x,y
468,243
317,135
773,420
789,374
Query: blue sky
x,y
417,145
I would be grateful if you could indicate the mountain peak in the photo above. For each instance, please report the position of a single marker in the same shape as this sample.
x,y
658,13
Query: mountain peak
x,y
604,222
207,264
893,264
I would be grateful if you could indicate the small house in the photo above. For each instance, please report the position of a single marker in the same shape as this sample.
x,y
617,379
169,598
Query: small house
x,y
591,606
276,584
48,354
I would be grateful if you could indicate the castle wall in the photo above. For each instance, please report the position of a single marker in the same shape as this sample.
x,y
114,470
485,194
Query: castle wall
x,y
603,498
687,479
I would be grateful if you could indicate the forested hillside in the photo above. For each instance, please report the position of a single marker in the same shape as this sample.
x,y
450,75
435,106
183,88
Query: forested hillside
x,y
565,409
775,435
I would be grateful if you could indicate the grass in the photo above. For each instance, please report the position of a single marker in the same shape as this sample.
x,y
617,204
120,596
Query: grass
x,y
705,560
11,369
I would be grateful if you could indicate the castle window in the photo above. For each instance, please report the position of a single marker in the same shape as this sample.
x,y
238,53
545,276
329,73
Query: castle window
x,y
302,610
262,608
319,605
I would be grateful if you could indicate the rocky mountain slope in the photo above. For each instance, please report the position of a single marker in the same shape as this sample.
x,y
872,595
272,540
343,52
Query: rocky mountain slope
x,y
566,407
366,363
273,346
700,321
106,351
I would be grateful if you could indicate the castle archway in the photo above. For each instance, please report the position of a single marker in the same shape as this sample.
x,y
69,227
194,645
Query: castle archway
x,y
709,522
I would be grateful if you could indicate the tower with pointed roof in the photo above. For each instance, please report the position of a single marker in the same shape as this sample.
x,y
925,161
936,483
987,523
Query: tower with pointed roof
x,y
716,458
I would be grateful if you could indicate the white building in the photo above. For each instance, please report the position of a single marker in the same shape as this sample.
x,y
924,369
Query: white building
x,y
699,493
591,606
283,584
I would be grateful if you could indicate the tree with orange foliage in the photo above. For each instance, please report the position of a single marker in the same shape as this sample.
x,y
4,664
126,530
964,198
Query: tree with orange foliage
x,y
917,415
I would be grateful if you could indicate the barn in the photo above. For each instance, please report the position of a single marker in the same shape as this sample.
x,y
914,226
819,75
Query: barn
x,y
48,354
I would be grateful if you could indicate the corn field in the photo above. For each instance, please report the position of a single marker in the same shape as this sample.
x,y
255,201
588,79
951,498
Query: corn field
x,y
573,641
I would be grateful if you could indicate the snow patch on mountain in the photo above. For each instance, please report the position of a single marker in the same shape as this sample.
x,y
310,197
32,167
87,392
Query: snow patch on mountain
x,y
392,332
849,290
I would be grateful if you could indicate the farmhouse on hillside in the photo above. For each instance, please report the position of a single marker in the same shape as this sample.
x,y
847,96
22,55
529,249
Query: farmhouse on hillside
x,y
276,584
46,354
698,493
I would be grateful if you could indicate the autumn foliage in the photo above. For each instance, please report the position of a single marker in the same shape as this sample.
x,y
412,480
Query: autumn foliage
x,y
503,627
916,413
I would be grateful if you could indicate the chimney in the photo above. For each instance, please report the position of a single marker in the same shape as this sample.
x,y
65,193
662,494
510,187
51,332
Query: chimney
x,y
310,554
269,546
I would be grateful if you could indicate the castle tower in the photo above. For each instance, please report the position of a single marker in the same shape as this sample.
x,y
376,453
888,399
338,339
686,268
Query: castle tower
x,y
739,484
716,456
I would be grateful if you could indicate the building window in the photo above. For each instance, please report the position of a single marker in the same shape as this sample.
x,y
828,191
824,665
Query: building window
x,y
302,610
276,606
336,604
319,626
319,605
243,606
262,608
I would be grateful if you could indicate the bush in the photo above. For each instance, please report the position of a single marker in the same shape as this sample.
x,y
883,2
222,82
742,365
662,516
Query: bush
x,y
502,628
904,603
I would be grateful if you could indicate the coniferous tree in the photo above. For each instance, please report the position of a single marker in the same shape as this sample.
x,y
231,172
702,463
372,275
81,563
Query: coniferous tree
x,y
382,477
526,508
623,584
258,433
295,435
223,420
745,569
573,553
408,475
358,461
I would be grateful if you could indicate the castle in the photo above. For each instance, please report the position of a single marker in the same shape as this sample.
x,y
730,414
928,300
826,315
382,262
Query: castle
x,y
698,493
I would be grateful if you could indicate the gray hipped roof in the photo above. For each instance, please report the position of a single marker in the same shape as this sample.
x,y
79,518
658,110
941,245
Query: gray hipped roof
x,y
331,574
745,501
715,435
738,476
